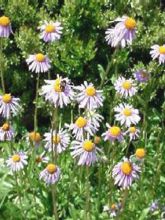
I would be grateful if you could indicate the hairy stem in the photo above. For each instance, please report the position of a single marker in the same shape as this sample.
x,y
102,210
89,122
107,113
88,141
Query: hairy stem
x,y
1,68
36,102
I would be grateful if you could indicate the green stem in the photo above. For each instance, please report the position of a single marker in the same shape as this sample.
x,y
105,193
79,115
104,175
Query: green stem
x,y
36,102
54,196
87,205
18,193
1,69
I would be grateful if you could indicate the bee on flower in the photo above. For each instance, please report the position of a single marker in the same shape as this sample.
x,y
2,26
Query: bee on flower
x,y
38,63
113,210
59,139
80,126
6,132
17,161
158,52
125,87
133,133
50,31
58,91
88,97
125,172
50,174
126,114
86,151
9,105
113,133
123,33
141,75
5,26
34,138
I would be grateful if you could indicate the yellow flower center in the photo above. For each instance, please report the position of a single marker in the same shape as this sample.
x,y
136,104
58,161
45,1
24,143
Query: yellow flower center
x,y
88,146
16,158
51,168
57,85
56,139
7,98
5,127
97,139
115,131
4,21
132,129
35,136
113,206
127,112
162,49
50,28
126,168
140,153
90,91
127,85
130,23
81,122
40,57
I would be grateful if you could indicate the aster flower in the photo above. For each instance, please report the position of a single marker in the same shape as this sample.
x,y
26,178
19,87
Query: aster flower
x,y
38,63
80,126
17,161
113,133
113,210
6,132
133,132
140,153
5,26
125,87
123,33
158,52
124,173
88,97
50,174
35,138
126,114
94,118
141,75
9,105
51,31
58,91
154,206
41,158
60,140
86,151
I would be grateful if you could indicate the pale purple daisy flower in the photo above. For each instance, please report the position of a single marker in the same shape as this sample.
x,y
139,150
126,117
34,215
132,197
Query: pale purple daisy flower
x,y
6,132
5,26
133,132
113,133
88,97
80,126
58,91
125,172
51,31
9,105
126,114
50,174
154,206
17,161
141,75
38,63
41,159
60,140
94,118
158,52
113,210
86,152
125,87
34,138
123,33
